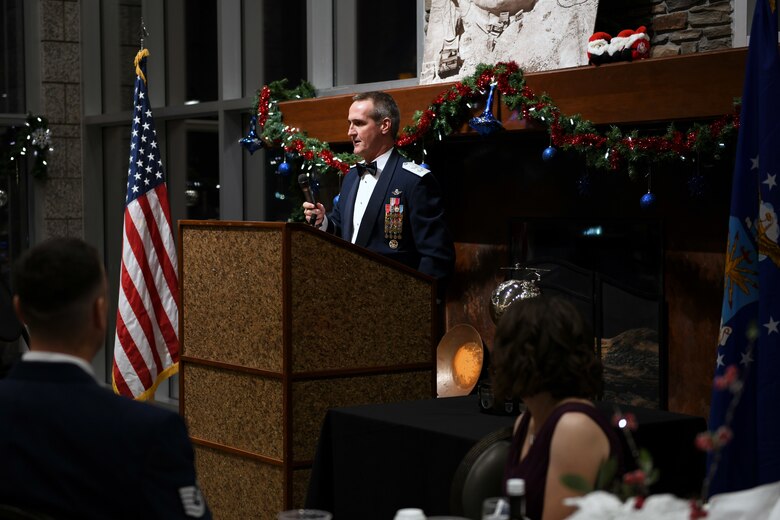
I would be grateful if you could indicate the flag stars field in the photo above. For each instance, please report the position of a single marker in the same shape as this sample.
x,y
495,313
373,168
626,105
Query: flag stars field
x,y
771,325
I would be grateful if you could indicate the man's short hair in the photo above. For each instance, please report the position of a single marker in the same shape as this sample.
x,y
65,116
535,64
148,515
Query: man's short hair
x,y
384,106
56,282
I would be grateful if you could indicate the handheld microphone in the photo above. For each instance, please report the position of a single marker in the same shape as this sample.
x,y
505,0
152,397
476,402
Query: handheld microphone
x,y
303,182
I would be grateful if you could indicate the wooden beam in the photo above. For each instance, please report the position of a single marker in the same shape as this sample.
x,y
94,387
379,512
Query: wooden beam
x,y
693,86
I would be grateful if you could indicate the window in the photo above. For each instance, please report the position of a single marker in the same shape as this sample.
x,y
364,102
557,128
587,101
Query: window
x,y
12,55
375,41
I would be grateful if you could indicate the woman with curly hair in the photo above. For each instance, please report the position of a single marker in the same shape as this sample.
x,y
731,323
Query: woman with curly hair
x,y
544,354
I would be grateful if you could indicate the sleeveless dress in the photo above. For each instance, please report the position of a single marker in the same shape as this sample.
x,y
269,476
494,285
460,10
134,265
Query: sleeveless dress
x,y
533,468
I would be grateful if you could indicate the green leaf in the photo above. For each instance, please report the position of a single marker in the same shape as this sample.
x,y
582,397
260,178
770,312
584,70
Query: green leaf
x,y
645,461
606,473
576,483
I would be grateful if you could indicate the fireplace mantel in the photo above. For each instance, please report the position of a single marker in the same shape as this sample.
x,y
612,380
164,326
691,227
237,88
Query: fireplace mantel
x,y
693,86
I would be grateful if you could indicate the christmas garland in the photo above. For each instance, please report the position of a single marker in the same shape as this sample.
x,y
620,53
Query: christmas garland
x,y
610,150
34,140
313,152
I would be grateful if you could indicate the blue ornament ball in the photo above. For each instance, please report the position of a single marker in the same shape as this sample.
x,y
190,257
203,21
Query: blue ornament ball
x,y
425,165
336,199
283,168
549,153
647,201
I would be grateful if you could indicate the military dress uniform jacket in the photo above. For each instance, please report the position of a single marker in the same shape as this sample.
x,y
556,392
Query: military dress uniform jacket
x,y
73,449
404,219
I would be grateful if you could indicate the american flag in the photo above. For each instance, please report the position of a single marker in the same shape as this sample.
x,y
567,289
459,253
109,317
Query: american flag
x,y
146,348
750,327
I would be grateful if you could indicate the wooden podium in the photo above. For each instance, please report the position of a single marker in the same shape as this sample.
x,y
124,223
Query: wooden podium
x,y
280,322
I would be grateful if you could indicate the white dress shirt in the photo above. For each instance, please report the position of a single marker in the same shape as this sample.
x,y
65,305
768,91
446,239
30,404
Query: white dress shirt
x,y
364,191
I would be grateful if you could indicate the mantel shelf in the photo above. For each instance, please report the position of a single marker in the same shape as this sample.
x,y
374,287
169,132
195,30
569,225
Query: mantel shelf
x,y
693,86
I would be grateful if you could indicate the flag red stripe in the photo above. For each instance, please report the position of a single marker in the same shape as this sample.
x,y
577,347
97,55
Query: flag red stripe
x,y
131,351
135,242
168,332
162,200
163,230
119,381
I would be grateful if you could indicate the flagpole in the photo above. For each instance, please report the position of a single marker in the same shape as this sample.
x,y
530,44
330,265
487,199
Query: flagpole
x,y
143,32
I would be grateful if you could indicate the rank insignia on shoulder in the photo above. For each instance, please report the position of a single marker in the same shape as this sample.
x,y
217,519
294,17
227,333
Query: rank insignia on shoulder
x,y
415,168
397,192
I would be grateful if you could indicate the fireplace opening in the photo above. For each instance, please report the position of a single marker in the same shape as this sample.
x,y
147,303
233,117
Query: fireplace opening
x,y
612,270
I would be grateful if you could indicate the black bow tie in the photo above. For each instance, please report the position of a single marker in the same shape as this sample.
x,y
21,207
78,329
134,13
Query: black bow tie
x,y
366,168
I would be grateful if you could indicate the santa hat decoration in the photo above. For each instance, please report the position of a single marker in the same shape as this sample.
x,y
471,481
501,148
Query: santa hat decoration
x,y
598,44
619,49
639,44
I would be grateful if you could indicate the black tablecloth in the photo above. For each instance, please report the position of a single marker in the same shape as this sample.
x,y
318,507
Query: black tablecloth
x,y
373,460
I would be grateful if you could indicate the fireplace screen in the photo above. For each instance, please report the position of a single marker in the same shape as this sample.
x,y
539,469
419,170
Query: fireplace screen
x,y
612,270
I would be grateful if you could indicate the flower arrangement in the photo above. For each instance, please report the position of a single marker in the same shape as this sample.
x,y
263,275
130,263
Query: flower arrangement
x,y
628,496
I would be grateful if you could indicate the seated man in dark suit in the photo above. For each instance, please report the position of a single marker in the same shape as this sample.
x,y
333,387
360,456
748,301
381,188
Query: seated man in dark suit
x,y
69,447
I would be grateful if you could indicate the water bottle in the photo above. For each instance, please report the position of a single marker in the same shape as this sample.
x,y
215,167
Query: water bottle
x,y
409,513
515,490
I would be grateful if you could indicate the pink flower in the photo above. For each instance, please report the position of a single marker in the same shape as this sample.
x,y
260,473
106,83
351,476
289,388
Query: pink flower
x,y
729,379
704,441
723,435
636,477
697,511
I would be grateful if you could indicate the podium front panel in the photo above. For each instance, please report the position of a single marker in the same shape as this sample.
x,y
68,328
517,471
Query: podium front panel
x,y
237,487
350,311
232,289
235,409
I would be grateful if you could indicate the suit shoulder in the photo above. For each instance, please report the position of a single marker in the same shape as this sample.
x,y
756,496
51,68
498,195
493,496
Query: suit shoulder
x,y
415,168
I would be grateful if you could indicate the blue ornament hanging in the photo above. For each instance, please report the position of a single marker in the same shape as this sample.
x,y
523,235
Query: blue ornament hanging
x,y
283,168
485,123
648,200
549,153
251,142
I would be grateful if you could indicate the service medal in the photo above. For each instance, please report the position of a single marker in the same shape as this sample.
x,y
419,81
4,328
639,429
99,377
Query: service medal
x,y
394,220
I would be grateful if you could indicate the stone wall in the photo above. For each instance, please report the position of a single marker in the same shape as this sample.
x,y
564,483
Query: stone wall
x,y
60,36
687,26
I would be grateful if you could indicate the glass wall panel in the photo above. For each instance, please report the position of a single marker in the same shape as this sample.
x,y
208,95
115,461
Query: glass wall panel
x,y
121,36
202,186
284,41
12,57
191,51
383,42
